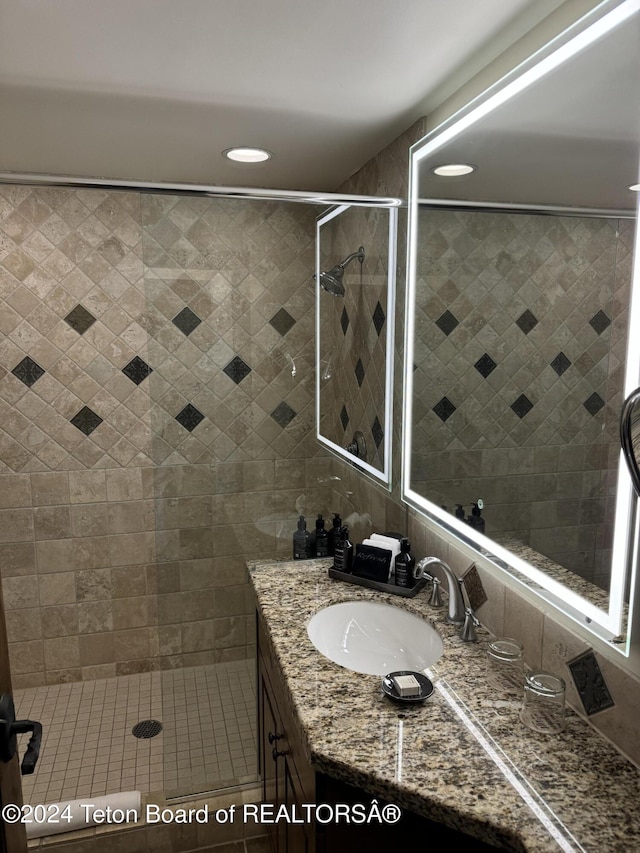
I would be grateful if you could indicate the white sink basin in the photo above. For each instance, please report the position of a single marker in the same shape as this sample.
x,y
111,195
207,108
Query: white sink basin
x,y
374,638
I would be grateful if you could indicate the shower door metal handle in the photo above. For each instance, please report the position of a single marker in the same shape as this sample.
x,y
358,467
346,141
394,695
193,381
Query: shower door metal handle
x,y
9,728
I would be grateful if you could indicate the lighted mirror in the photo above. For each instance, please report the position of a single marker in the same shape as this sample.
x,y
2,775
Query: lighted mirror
x,y
520,298
355,284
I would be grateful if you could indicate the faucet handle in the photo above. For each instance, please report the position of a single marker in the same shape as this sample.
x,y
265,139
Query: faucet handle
x,y
471,622
436,595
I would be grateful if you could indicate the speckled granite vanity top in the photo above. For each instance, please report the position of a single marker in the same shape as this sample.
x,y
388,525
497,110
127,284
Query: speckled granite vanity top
x,y
463,758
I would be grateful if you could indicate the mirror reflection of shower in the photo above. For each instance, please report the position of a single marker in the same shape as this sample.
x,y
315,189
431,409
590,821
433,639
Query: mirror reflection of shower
x,y
331,280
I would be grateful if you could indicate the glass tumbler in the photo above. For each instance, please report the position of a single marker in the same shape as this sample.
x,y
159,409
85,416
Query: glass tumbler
x,y
543,704
505,666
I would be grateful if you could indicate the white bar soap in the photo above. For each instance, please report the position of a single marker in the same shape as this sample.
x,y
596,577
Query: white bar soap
x,y
406,685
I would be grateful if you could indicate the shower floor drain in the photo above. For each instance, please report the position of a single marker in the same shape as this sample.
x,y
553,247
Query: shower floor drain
x,y
147,729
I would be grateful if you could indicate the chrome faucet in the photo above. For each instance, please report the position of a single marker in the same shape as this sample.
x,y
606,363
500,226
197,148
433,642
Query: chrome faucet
x,y
456,613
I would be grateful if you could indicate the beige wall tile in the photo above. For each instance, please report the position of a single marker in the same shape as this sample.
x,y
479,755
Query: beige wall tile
x,y
57,588
50,489
130,613
230,631
198,636
52,522
524,623
54,556
89,519
95,617
62,653
20,592
26,657
16,525
17,559
129,581
15,490
60,621
91,552
131,548
124,485
87,486
132,644
96,649
93,585
24,625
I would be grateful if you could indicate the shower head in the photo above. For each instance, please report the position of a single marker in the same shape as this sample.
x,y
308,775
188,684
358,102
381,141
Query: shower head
x,y
331,280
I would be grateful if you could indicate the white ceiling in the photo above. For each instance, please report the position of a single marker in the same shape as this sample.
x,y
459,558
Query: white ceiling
x,y
157,89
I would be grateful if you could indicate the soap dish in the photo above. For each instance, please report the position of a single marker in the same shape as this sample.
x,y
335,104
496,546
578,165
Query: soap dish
x,y
389,688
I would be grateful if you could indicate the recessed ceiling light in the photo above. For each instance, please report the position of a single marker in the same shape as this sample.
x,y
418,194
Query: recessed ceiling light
x,y
634,188
452,170
248,155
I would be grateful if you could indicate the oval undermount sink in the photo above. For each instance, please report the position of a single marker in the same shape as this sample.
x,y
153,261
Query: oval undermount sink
x,y
374,638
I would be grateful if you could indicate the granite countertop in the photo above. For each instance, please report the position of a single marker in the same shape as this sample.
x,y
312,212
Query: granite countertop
x,y
462,758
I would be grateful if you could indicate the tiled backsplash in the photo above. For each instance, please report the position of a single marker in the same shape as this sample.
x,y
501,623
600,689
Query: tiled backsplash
x,y
157,405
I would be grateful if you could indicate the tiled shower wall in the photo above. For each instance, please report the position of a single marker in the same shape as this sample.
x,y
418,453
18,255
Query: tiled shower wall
x,y
520,335
156,412
353,331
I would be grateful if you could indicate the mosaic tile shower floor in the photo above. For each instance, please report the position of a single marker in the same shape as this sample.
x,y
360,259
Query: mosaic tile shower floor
x,y
208,739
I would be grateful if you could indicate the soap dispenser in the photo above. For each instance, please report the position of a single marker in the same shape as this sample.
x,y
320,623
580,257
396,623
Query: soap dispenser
x,y
322,538
460,512
334,533
343,555
302,541
404,565
475,519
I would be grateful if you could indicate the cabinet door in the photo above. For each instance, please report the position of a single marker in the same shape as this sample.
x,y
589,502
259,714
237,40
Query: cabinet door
x,y
299,836
273,785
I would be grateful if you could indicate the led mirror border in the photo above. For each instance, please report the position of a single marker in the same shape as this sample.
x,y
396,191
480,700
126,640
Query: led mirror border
x,y
608,625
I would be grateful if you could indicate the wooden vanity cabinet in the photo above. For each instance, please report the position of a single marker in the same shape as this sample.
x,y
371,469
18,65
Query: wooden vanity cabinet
x,y
288,779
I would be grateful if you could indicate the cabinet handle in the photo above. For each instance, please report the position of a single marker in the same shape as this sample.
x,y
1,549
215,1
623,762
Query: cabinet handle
x,y
276,753
273,738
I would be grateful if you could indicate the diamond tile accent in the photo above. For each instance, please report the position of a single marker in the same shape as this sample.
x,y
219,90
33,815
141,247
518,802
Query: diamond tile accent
x,y
28,371
186,321
282,321
344,417
283,414
527,321
522,406
594,403
447,322
378,317
377,432
237,369
360,372
590,683
485,365
344,321
86,420
80,319
560,363
444,409
137,370
189,417
599,322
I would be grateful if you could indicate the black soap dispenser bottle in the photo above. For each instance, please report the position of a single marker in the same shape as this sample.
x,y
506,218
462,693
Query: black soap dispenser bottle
x,y
302,541
404,565
322,538
334,533
343,556
475,519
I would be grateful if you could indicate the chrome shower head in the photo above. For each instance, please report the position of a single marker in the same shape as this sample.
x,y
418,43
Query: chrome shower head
x,y
331,280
